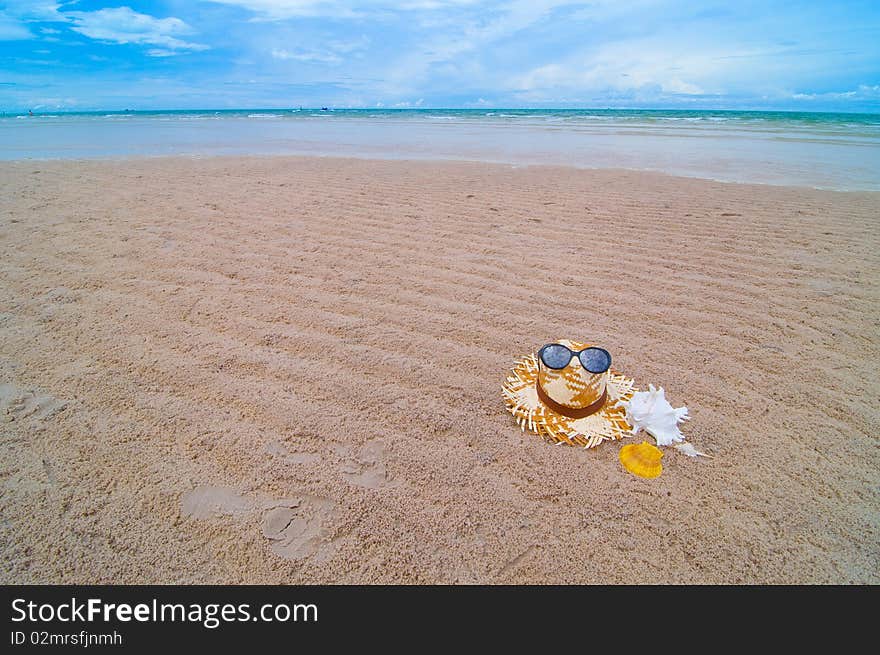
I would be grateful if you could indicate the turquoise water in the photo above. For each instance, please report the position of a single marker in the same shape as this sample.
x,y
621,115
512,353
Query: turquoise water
x,y
826,150
547,115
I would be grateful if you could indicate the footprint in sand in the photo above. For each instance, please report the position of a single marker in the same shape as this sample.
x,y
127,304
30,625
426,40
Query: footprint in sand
x,y
208,502
368,469
17,403
298,527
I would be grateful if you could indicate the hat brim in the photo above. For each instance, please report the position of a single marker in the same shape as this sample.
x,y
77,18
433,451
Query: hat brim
x,y
607,424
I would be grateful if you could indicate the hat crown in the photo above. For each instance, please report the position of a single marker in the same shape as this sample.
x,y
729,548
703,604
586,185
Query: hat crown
x,y
573,386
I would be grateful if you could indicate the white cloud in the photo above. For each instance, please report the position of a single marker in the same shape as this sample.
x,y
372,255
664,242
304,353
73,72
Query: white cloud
x,y
680,87
16,14
407,104
123,25
162,52
35,10
306,56
13,30
346,47
863,92
651,66
469,32
284,9
332,54
55,103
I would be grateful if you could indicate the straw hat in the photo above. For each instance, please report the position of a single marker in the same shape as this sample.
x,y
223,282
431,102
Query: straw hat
x,y
568,393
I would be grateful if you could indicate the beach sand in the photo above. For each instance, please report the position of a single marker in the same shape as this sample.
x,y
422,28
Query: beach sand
x,y
288,370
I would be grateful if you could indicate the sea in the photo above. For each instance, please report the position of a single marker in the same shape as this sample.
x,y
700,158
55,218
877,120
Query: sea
x,y
837,151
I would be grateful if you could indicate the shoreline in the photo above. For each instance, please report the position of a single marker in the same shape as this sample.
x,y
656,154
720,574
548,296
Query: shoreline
x,y
134,159
288,370
836,155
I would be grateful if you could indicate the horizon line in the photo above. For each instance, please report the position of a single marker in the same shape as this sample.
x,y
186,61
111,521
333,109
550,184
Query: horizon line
x,y
437,108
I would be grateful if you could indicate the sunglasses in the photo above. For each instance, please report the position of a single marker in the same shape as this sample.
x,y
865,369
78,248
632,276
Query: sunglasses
x,y
557,356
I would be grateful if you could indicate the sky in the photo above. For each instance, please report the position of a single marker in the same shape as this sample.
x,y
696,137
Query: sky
x,y
86,55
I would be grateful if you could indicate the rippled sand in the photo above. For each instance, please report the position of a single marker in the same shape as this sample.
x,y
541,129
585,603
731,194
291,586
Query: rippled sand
x,y
289,370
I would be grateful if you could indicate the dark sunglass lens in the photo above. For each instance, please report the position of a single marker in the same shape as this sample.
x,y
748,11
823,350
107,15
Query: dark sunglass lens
x,y
595,360
555,356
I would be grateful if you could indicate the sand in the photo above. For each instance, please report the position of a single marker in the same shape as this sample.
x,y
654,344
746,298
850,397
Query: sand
x,y
288,370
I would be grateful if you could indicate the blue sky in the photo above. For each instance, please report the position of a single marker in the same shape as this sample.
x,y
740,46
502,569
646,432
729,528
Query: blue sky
x,y
89,54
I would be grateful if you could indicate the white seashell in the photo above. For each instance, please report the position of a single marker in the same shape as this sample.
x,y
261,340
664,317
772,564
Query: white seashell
x,y
649,410
689,450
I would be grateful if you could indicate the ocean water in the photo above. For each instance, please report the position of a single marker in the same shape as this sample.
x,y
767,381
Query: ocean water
x,y
824,150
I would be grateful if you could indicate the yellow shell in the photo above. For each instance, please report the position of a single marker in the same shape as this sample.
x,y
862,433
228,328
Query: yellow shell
x,y
641,459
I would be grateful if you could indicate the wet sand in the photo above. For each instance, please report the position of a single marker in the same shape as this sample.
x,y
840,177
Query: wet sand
x,y
261,370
